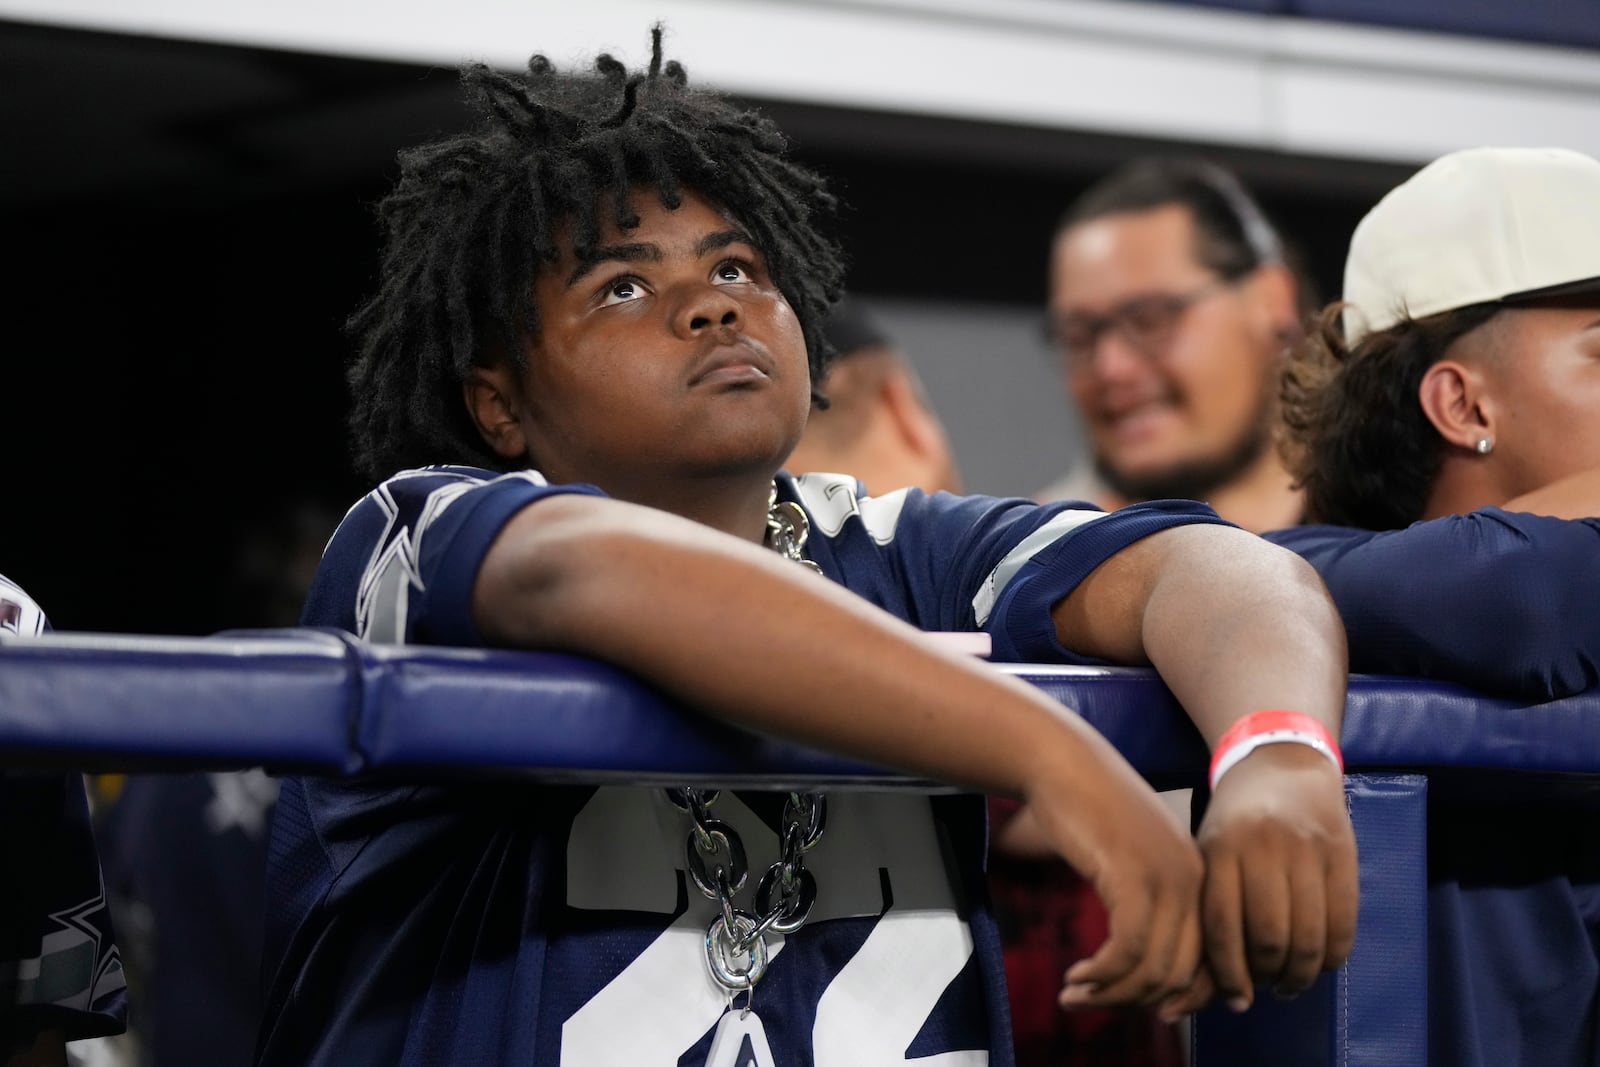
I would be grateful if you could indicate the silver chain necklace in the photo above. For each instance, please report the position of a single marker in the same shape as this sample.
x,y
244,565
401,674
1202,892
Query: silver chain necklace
x,y
736,940
787,530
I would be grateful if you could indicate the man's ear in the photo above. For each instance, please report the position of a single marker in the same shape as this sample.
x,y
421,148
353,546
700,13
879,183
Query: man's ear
x,y
912,417
1454,398
490,394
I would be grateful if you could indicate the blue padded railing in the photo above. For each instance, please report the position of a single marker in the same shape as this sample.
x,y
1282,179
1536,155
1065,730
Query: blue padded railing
x,y
325,703
290,699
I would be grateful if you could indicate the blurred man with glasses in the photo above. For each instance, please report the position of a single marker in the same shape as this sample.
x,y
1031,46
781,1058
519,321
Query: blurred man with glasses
x,y
1170,310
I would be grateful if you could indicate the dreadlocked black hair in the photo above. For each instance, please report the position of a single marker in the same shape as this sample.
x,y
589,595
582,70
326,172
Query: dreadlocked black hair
x,y
473,220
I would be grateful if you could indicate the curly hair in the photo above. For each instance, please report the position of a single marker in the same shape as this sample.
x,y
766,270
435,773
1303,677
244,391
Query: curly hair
x,y
475,217
1354,434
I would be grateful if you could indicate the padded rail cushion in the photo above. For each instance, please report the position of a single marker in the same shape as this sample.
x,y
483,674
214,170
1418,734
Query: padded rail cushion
x,y
569,718
575,718
1389,723
1394,723
323,701
289,701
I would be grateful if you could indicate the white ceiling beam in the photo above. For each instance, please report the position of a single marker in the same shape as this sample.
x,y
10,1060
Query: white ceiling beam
x,y
1154,70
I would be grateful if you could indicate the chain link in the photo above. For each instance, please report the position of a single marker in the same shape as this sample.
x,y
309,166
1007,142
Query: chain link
x,y
736,944
787,530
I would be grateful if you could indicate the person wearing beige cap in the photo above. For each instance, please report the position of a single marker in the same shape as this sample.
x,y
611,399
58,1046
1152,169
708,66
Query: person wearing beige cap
x,y
1444,420
1455,376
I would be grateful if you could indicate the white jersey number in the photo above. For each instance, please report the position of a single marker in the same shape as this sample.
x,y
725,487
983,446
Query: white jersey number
x,y
625,851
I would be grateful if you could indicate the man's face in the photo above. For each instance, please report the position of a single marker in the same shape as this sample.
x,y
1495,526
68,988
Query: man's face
x,y
1172,366
1545,385
668,354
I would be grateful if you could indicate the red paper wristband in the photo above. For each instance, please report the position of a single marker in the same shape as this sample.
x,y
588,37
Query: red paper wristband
x,y
1271,727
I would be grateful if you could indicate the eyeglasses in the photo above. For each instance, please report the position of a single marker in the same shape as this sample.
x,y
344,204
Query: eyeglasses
x,y
1146,323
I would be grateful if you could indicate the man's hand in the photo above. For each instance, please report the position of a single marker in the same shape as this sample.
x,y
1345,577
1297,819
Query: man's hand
x,y
1280,885
1234,624
1147,871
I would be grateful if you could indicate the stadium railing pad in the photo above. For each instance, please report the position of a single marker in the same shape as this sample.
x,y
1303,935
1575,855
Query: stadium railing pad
x,y
323,702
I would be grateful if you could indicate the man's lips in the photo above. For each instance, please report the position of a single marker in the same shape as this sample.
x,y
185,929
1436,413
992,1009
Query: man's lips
x,y
1137,421
732,363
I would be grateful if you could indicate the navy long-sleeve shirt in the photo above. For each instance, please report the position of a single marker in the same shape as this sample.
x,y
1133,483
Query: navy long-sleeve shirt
x,y
1500,601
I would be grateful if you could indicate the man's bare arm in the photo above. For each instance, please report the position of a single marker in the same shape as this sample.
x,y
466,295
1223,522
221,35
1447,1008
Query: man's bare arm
x,y
741,634
1236,625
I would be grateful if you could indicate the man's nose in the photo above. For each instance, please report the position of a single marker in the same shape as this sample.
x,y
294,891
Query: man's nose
x,y
703,306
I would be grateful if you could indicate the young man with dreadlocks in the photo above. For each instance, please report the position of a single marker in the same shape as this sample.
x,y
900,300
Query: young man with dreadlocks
x,y
607,299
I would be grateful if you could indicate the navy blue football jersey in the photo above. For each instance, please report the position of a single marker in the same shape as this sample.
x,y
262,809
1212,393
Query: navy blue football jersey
x,y
508,924
59,964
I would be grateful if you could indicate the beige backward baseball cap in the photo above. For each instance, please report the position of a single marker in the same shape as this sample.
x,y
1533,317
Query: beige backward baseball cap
x,y
1474,227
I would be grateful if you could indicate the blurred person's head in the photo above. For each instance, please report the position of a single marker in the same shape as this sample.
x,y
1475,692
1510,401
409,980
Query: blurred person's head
x,y
878,425
1170,310
1463,368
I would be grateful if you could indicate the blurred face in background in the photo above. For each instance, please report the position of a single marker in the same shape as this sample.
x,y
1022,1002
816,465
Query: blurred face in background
x,y
1173,367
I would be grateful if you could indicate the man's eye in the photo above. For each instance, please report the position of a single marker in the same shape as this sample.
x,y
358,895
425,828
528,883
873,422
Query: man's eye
x,y
1148,318
623,289
1075,337
732,271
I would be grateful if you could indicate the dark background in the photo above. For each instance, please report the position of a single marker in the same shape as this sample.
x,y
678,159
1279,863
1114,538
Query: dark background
x,y
186,227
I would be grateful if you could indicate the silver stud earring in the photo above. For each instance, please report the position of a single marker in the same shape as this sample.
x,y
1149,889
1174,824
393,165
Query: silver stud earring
x,y
1484,446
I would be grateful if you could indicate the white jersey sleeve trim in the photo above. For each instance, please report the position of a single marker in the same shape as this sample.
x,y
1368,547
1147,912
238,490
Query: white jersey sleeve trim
x,y
1063,524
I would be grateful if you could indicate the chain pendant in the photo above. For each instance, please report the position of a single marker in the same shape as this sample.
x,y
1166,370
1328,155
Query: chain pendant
x,y
736,941
740,1041
788,530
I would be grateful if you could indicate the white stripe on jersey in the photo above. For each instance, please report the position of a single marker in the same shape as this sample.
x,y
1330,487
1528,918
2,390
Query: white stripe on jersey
x,y
1030,546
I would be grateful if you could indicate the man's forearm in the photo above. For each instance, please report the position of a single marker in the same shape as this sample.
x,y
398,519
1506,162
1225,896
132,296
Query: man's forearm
x,y
743,635
1233,624
1248,630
